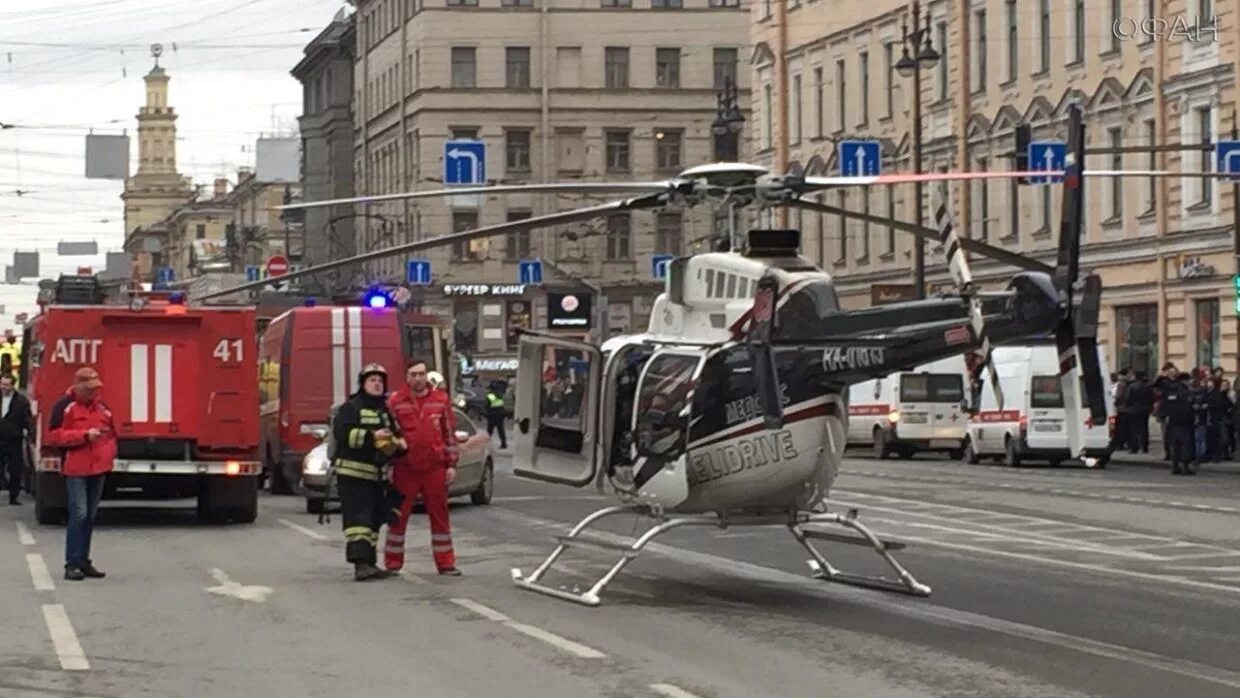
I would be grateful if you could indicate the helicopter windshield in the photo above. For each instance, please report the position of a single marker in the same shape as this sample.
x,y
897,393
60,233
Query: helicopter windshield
x,y
806,311
664,395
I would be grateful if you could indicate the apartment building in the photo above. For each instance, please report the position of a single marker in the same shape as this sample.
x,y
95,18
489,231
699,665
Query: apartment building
x,y
562,90
1146,73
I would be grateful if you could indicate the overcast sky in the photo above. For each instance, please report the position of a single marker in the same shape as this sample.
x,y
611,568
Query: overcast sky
x,y
67,66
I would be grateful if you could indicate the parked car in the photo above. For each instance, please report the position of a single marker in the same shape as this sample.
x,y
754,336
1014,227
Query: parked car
x,y
475,472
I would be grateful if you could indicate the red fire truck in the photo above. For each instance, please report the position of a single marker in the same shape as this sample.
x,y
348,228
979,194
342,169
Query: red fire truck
x,y
180,384
309,358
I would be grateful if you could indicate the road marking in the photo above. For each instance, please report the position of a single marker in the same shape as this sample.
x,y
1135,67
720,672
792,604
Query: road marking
x,y
550,638
303,530
64,639
39,573
24,535
667,689
227,587
922,610
409,576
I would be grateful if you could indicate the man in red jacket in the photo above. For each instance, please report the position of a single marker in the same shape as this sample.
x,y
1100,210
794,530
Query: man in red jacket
x,y
81,426
427,468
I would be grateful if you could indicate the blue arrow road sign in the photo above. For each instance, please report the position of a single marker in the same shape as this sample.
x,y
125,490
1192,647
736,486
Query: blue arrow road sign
x,y
464,162
1227,156
418,272
530,271
1045,156
658,265
251,273
860,158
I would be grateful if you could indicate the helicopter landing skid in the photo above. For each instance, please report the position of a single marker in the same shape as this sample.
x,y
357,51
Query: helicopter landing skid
x,y
821,568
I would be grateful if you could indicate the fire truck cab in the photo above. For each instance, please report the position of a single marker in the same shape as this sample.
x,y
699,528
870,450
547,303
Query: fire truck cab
x,y
179,381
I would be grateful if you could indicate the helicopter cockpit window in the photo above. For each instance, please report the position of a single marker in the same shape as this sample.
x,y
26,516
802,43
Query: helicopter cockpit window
x,y
664,395
710,283
720,281
731,285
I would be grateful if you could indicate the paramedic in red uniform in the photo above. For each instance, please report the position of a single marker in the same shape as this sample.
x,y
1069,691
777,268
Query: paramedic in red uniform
x,y
81,426
427,468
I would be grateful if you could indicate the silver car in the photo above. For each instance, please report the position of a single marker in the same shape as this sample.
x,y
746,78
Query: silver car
x,y
475,474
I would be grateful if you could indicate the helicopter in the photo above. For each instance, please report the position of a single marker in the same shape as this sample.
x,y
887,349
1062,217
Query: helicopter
x,y
731,409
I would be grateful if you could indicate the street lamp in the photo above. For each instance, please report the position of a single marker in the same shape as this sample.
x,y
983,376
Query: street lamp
x,y
918,41
728,124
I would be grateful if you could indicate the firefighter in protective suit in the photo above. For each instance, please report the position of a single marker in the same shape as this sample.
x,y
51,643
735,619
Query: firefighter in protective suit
x,y
424,414
366,437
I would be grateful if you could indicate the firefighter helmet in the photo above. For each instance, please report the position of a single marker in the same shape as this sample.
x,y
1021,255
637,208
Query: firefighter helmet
x,y
372,369
435,378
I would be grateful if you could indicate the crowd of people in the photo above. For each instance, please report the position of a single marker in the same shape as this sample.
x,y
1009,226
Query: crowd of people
x,y
1196,411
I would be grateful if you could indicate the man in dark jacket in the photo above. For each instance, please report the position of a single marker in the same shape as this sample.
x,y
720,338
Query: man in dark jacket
x,y
496,412
1168,375
1141,402
1177,410
367,437
16,424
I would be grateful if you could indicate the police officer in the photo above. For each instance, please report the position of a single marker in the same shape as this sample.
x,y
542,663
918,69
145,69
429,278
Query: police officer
x,y
496,414
366,439
1177,409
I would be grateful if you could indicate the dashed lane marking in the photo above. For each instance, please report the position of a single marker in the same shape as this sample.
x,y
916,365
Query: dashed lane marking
x,y
670,691
561,643
64,639
303,530
24,535
39,573
1042,490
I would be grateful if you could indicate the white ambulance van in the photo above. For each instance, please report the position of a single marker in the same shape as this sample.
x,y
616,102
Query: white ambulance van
x,y
912,411
1032,424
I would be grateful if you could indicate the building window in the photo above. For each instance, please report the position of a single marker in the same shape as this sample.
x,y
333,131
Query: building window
x,y
1013,47
725,3
865,226
668,233
981,220
1014,209
464,134
942,48
1078,31
619,236
1117,16
1148,37
617,151
979,24
889,81
200,231
462,3
818,97
890,248
471,250
517,150
841,255
667,67
768,118
517,67
1151,183
667,4
667,149
1205,12
464,68
1046,208
517,243
616,67
796,109
864,59
725,67
841,106
1136,333
1044,36
1205,127
1116,138
517,3
1209,337
616,3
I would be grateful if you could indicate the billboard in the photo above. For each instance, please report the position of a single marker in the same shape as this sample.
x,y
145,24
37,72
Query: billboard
x,y
107,157
25,265
278,160
569,311
77,249
119,266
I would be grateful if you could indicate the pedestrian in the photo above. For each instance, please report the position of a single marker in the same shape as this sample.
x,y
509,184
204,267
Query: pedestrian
x,y
496,413
1141,397
367,437
427,468
1201,426
1180,419
80,424
16,425
1166,377
1123,412
1219,408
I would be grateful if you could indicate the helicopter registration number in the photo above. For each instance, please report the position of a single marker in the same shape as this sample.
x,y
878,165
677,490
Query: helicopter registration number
x,y
850,358
732,457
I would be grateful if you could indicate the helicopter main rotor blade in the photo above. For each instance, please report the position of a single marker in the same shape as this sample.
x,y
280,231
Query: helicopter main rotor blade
x,y
976,246
552,188
578,214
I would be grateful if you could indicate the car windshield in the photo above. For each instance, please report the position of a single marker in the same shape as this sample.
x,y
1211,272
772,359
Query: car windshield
x,y
931,387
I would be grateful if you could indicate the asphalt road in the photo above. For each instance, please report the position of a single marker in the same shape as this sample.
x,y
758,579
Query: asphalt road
x,y
1047,582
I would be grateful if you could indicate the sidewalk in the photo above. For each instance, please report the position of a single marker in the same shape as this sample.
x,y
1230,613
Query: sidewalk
x,y
1154,459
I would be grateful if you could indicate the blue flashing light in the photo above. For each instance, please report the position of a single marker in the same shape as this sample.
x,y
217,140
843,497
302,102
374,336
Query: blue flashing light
x,y
378,299
177,298
310,303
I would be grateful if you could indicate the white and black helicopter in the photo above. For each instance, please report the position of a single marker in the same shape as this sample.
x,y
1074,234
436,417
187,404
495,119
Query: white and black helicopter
x,y
731,410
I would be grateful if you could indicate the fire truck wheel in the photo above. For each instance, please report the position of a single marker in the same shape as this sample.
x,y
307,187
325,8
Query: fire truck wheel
x,y
221,501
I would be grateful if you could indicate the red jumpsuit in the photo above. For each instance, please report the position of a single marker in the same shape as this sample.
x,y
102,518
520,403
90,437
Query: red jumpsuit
x,y
429,427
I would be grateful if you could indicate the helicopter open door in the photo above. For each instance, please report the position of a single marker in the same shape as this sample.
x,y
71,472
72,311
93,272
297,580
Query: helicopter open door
x,y
557,406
